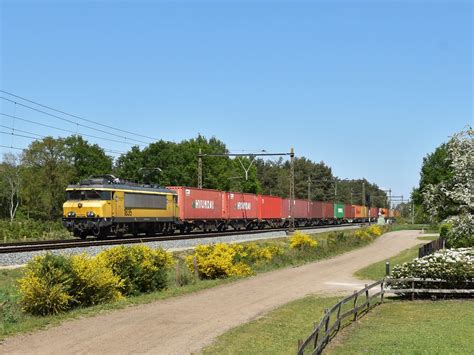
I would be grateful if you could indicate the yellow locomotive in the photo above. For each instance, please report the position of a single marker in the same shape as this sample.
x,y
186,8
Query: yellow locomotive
x,y
105,205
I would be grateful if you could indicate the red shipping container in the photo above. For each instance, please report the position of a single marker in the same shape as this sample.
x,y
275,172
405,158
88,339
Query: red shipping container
x,y
195,204
374,212
241,205
316,209
269,207
349,211
300,208
328,210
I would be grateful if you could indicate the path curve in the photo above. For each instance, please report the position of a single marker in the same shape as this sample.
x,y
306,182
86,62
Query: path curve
x,y
186,324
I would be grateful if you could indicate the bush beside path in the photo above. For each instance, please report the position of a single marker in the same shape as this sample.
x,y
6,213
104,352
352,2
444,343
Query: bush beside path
x,y
186,324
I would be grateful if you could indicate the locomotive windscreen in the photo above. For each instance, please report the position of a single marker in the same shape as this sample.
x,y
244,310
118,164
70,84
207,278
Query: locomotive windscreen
x,y
88,195
134,200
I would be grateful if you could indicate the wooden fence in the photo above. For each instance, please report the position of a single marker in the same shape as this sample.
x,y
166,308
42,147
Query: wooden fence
x,y
430,248
335,316
371,296
415,286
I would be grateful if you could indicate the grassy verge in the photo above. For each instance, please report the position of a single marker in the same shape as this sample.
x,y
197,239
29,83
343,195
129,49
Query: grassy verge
x,y
275,333
420,327
15,321
376,271
406,226
396,327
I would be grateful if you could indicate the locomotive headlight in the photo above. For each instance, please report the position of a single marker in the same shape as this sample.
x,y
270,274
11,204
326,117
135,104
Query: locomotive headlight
x,y
71,214
90,214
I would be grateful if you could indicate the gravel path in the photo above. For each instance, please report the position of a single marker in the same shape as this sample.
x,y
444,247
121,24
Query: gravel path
x,y
172,245
185,324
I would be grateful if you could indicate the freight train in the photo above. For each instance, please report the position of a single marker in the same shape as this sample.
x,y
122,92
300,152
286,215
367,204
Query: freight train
x,y
108,206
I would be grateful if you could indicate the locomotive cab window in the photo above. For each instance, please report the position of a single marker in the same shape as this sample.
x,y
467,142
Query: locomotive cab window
x,y
88,195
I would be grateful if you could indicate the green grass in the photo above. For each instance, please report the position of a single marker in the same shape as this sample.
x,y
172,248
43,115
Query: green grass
x,y
407,226
376,271
419,327
275,333
396,327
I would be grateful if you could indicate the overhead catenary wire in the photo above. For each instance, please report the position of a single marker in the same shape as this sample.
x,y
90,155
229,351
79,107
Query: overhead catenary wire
x,y
40,136
11,147
78,117
71,121
68,131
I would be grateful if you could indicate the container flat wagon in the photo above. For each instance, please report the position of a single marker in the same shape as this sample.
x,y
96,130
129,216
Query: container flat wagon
x,y
200,209
339,213
349,213
270,211
374,213
300,211
328,212
240,210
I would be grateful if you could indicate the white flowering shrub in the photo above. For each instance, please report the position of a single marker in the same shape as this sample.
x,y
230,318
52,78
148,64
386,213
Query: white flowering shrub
x,y
453,265
458,191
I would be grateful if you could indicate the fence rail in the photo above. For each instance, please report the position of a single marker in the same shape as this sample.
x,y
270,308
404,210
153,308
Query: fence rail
x,y
372,295
321,334
430,248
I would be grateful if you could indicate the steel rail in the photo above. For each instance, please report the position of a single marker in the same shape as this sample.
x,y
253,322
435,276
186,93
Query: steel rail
x,y
9,248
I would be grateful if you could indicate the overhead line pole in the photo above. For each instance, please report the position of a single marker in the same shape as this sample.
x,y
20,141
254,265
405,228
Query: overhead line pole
x,y
291,226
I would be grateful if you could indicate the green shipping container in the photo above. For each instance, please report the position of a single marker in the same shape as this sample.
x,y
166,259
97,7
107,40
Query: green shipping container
x,y
338,210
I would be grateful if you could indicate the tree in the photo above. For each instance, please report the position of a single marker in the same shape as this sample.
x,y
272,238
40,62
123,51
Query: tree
x,y
11,183
436,168
86,159
47,171
451,200
178,163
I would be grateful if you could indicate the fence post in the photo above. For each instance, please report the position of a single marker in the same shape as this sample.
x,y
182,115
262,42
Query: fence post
x,y
326,325
413,290
300,342
355,305
316,339
367,297
381,291
338,314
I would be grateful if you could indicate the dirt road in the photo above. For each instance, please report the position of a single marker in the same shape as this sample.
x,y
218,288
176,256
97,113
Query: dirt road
x,y
185,324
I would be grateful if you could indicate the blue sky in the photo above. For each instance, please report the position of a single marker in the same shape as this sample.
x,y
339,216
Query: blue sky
x,y
367,87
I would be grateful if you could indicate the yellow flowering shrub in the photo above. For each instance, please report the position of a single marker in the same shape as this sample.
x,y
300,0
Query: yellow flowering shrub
x,y
93,281
374,230
219,260
302,241
55,283
362,234
140,268
43,293
253,253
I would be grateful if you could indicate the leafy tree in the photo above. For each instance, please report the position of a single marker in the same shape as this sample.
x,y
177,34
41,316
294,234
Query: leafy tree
x,y
178,163
436,168
50,164
452,198
47,171
86,159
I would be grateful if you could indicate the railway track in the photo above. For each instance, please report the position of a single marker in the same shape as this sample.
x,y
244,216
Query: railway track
x,y
9,248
